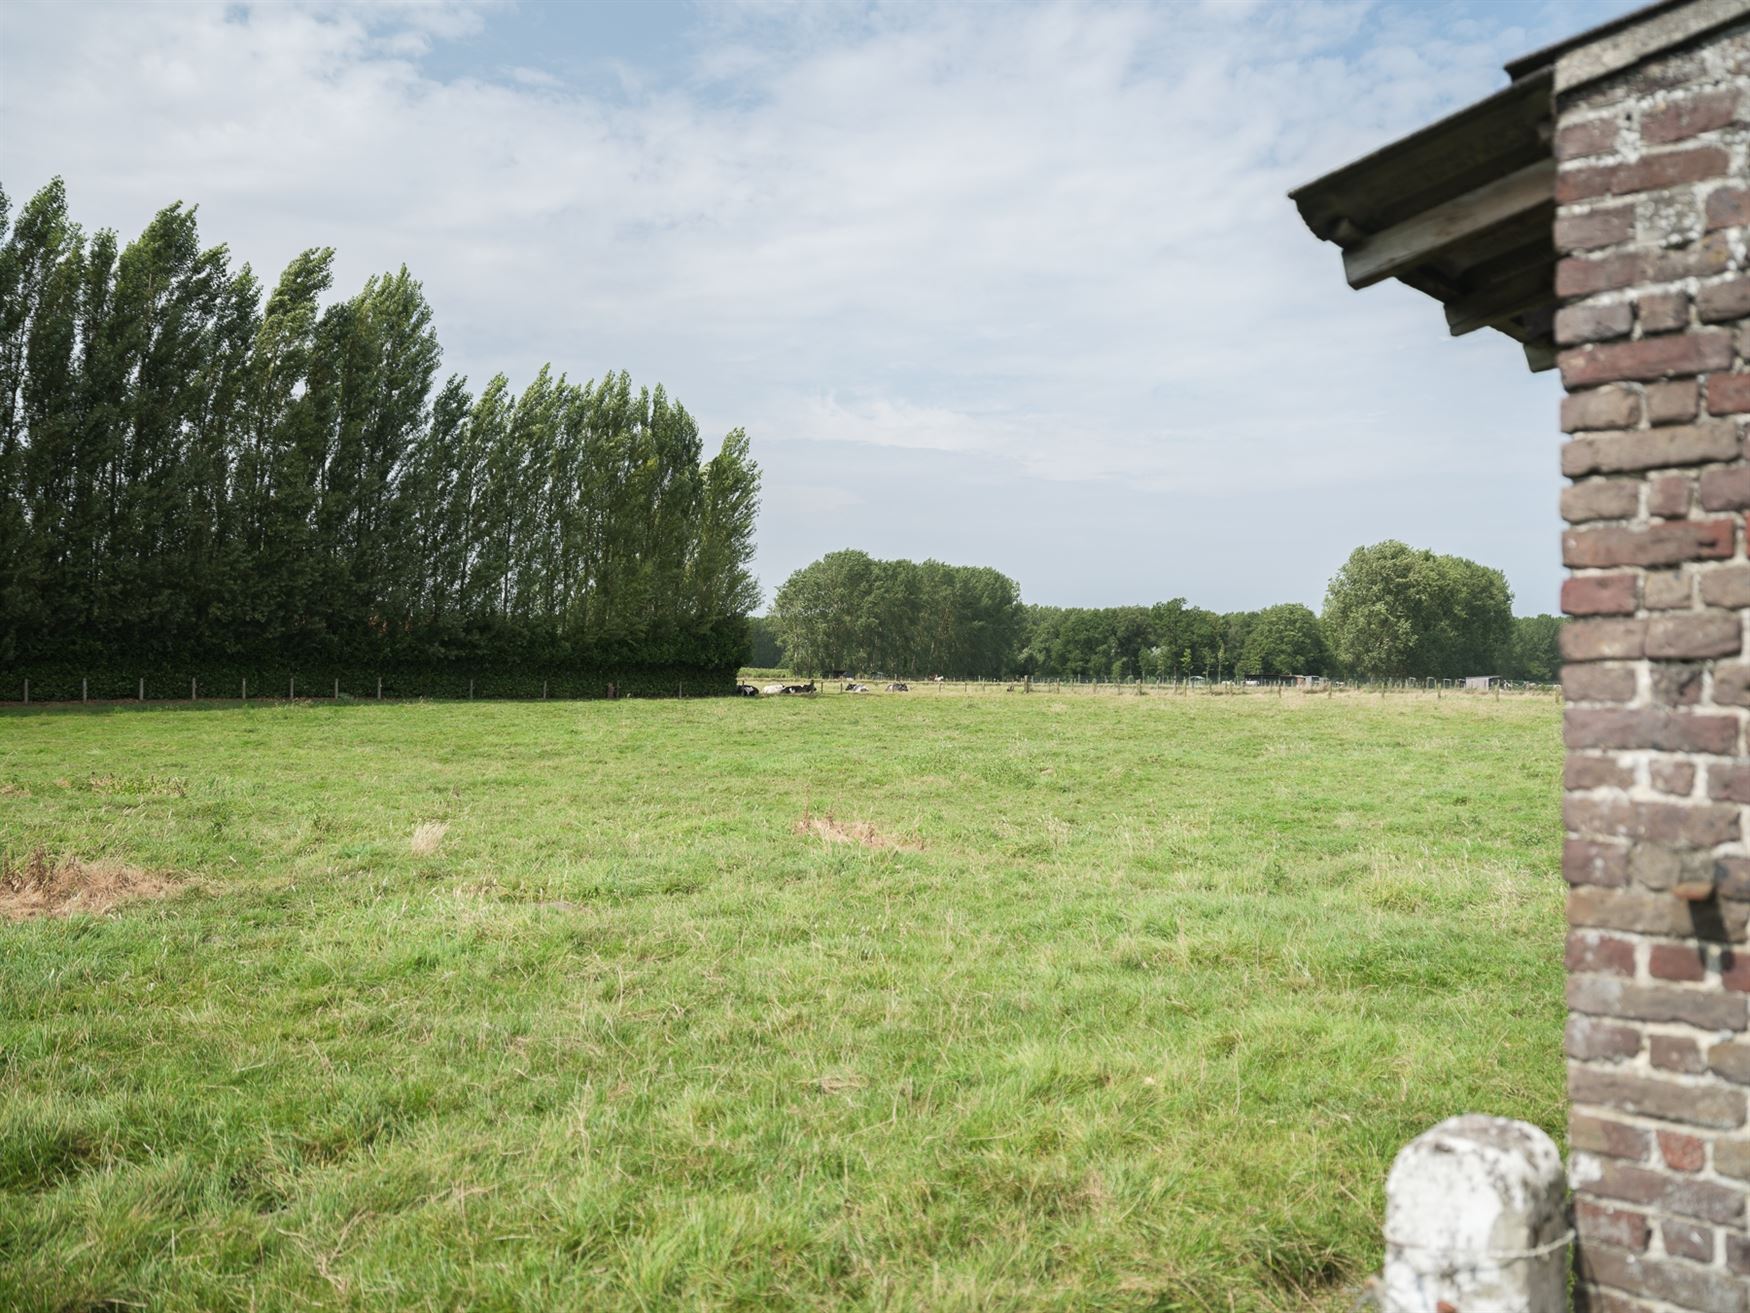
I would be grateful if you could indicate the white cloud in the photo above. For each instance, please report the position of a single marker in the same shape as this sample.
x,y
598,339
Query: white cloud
x,y
1052,236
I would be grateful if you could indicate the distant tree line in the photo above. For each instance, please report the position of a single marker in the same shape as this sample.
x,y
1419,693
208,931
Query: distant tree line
x,y
197,473
1391,611
848,611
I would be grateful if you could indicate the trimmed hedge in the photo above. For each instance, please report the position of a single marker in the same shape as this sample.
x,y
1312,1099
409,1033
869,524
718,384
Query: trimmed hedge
x,y
171,683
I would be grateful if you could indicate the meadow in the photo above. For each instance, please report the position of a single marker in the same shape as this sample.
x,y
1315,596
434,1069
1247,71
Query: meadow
x,y
935,1001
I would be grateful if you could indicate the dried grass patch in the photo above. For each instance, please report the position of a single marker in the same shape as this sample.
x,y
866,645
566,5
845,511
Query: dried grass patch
x,y
832,830
43,886
427,836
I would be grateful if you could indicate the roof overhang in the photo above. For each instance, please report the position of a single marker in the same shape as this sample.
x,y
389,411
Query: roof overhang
x,y
1464,209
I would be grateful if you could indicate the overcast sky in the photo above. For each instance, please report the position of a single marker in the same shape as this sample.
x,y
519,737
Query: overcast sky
x,y
1010,285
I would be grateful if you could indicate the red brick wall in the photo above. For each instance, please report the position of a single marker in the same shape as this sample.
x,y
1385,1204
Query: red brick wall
x,y
1653,196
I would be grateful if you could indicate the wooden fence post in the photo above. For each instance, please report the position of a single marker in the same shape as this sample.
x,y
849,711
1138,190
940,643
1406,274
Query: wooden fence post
x,y
337,690
142,690
246,688
192,685
379,688
27,692
84,690
470,690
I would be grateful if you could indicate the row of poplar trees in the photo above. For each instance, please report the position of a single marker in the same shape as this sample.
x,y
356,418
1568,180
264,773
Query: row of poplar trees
x,y
200,474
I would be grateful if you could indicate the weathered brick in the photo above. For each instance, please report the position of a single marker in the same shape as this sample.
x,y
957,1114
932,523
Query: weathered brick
x,y
1726,585
1702,259
1731,1158
1732,685
1666,543
1589,1040
1603,640
1738,1254
1668,496
1600,594
1728,394
1598,683
1600,1224
1726,489
1676,962
1724,300
1680,1152
1728,783
1663,731
1667,590
1675,777
1606,1135
1644,1185
1579,276
1649,449
1601,499
1731,1061
1648,173
1584,770
1675,683
1731,876
1681,1055
1661,312
1611,955
1689,116
1593,323
1595,229
1612,407
1695,635
1671,402
1689,1240
1728,207
1697,825
1679,1283
1606,996
1649,358
1587,137
1660,866
1585,862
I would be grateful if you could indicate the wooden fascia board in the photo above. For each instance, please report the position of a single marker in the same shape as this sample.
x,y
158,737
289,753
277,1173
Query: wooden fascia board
x,y
1419,239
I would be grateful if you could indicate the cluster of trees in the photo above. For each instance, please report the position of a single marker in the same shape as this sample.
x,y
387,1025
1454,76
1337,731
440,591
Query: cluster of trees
x,y
848,611
1391,611
195,474
1169,640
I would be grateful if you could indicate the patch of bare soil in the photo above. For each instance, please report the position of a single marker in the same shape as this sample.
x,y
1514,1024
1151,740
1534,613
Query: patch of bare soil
x,y
41,885
832,830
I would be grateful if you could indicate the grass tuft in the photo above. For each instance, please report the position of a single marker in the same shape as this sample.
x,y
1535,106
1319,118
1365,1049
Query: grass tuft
x,y
428,836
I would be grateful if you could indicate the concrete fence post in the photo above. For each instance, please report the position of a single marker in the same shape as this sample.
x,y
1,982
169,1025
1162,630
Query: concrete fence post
x,y
1476,1220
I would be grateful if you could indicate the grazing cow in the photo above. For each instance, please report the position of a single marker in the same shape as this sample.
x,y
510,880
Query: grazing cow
x,y
898,688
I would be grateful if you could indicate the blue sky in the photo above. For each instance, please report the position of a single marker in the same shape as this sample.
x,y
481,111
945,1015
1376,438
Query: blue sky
x,y
1013,285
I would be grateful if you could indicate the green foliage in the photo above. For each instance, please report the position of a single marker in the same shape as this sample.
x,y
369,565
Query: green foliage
x,y
848,611
1132,1014
1534,652
194,480
1281,641
1395,611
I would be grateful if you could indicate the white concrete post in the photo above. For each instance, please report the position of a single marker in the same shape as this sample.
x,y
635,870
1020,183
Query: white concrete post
x,y
1476,1221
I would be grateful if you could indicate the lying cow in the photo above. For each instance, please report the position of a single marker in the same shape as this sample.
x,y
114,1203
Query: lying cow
x,y
856,688
898,688
746,691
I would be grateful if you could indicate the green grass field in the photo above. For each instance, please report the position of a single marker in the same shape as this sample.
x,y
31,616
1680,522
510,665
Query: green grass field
x,y
927,1002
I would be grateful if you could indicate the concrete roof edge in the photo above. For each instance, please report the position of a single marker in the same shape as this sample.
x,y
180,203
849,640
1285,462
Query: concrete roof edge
x,y
1660,29
1546,56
